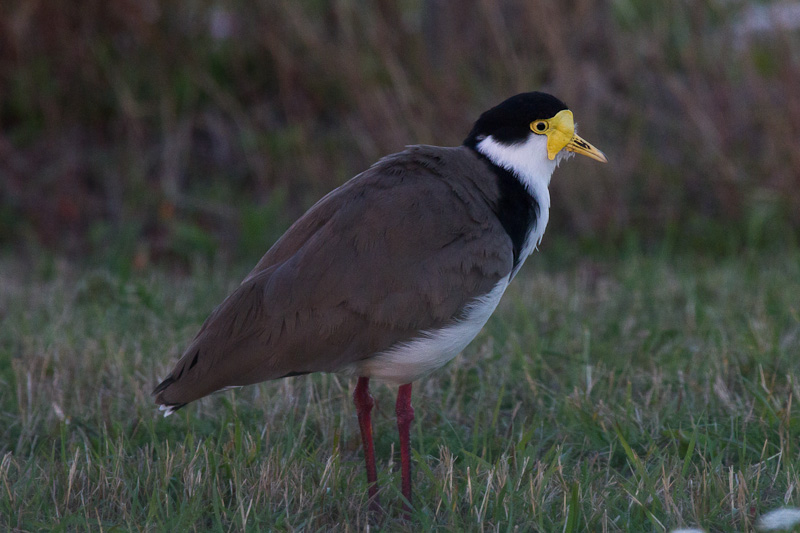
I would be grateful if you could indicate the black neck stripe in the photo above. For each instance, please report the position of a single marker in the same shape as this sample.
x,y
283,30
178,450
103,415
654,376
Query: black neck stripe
x,y
517,209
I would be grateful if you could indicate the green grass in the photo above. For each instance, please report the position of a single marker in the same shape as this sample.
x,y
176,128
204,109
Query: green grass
x,y
639,393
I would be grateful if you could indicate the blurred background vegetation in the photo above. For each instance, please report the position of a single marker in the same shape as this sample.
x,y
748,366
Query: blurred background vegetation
x,y
142,131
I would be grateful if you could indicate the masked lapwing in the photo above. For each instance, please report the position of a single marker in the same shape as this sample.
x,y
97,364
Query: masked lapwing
x,y
392,274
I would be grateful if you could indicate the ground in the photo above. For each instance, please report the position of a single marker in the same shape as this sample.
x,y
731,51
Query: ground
x,y
630,392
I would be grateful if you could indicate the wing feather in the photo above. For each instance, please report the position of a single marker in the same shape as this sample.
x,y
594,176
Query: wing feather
x,y
402,247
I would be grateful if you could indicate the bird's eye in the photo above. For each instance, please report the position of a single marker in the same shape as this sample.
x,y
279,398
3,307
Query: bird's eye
x,y
539,126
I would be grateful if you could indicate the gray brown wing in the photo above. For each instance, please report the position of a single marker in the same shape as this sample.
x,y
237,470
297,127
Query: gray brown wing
x,y
400,248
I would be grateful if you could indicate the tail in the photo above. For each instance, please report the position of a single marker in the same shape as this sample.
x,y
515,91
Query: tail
x,y
163,405
193,377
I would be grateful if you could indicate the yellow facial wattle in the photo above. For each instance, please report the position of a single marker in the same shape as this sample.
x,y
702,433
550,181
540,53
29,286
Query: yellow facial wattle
x,y
560,132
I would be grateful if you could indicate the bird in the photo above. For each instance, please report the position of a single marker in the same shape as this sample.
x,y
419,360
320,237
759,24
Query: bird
x,y
392,274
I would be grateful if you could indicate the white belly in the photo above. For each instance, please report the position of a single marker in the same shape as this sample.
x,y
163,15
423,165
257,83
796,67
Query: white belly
x,y
412,360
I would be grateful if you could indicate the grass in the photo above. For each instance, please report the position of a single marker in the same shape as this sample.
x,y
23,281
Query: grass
x,y
633,393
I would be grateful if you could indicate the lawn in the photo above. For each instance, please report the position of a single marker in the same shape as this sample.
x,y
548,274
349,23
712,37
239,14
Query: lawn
x,y
631,392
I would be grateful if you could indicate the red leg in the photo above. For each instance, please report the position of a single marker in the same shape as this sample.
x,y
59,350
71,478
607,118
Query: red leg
x,y
364,402
405,414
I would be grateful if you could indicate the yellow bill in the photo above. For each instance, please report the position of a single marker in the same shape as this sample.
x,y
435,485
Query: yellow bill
x,y
580,146
560,131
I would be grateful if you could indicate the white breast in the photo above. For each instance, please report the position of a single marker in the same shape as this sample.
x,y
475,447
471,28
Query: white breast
x,y
412,360
528,161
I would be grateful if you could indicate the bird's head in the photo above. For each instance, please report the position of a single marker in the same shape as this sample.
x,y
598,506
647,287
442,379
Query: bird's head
x,y
529,134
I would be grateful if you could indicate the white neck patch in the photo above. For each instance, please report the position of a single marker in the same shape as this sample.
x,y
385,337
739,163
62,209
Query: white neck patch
x,y
528,161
